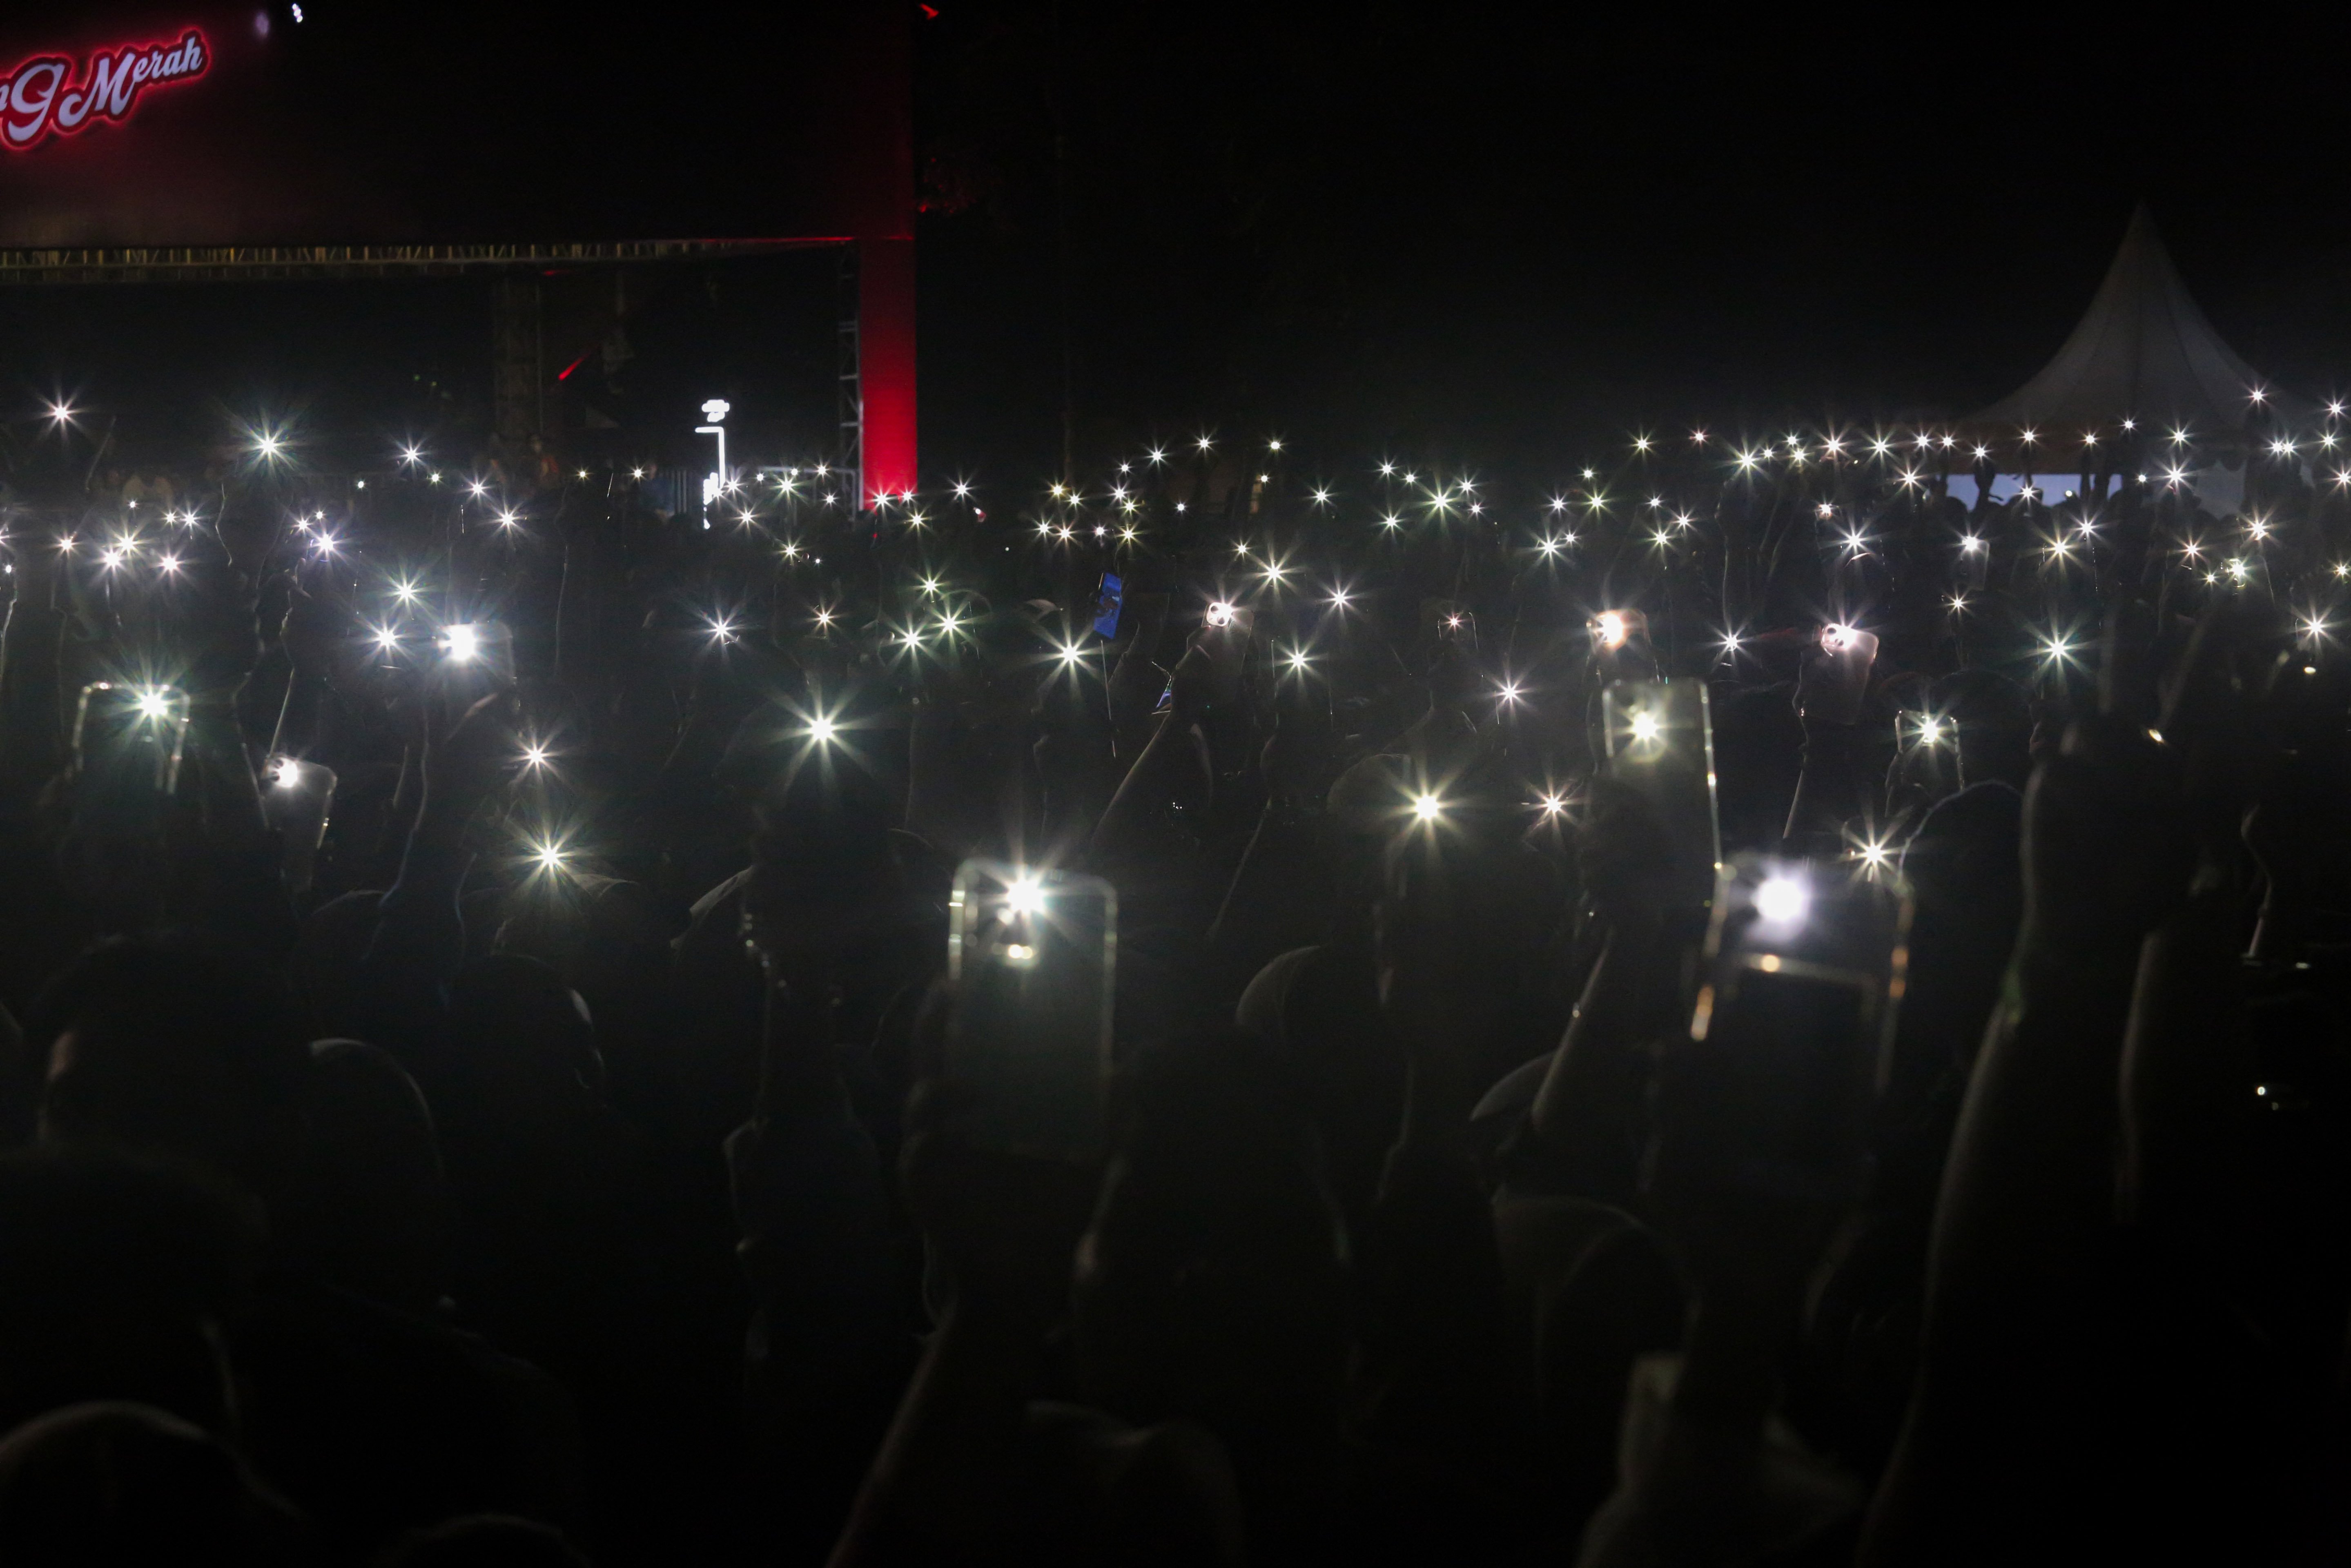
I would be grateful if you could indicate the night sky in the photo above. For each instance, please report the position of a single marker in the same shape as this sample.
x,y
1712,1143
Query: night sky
x,y
1522,229
1511,235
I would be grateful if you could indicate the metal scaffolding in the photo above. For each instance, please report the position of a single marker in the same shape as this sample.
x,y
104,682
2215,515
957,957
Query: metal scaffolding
x,y
263,263
518,360
852,394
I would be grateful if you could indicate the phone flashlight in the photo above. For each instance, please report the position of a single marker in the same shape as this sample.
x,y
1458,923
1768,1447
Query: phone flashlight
x,y
489,643
1658,736
1031,960
127,742
1789,1036
1929,729
1220,613
297,803
476,658
1620,645
1975,560
1811,921
1835,679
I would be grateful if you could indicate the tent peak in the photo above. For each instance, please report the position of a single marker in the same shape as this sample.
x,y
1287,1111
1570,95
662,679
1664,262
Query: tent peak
x,y
2143,349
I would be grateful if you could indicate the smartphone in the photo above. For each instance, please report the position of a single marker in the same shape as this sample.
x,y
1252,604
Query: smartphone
x,y
1975,561
484,646
1658,736
127,742
1032,961
1230,628
471,660
1613,629
1790,1034
296,799
1109,601
1835,675
1620,645
1449,621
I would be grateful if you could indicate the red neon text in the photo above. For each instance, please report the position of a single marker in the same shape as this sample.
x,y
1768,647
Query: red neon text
x,y
38,101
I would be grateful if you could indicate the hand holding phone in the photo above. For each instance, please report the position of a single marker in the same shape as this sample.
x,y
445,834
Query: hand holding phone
x,y
1224,639
1835,679
1031,964
1108,602
1620,648
316,627
223,633
1658,740
1615,630
296,800
466,752
1770,1093
127,743
470,660
481,650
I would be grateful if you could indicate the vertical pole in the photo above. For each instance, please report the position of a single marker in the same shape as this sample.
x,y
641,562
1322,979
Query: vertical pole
x,y
538,359
849,306
885,366
518,396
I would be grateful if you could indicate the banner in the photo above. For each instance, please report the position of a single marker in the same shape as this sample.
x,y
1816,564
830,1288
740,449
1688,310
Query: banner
x,y
342,123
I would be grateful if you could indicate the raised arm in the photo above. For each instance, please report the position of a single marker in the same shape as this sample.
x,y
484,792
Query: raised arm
x,y
2000,1452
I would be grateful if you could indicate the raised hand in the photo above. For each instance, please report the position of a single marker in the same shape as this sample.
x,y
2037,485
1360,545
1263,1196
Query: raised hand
x,y
1625,856
314,630
465,758
2107,849
221,631
1006,1225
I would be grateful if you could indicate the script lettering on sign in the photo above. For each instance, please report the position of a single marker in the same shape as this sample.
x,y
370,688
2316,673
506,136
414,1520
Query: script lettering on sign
x,y
42,98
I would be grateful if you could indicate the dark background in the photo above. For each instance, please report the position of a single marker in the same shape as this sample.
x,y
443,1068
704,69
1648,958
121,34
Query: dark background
x,y
1510,233
1518,228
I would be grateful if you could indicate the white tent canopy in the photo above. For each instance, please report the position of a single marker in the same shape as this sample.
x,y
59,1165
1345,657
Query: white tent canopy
x,y
2143,351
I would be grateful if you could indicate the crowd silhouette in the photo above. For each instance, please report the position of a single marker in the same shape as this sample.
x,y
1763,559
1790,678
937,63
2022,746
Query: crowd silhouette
x,y
1754,1010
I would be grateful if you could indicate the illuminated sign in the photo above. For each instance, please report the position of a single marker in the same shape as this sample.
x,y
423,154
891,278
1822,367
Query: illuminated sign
x,y
40,99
